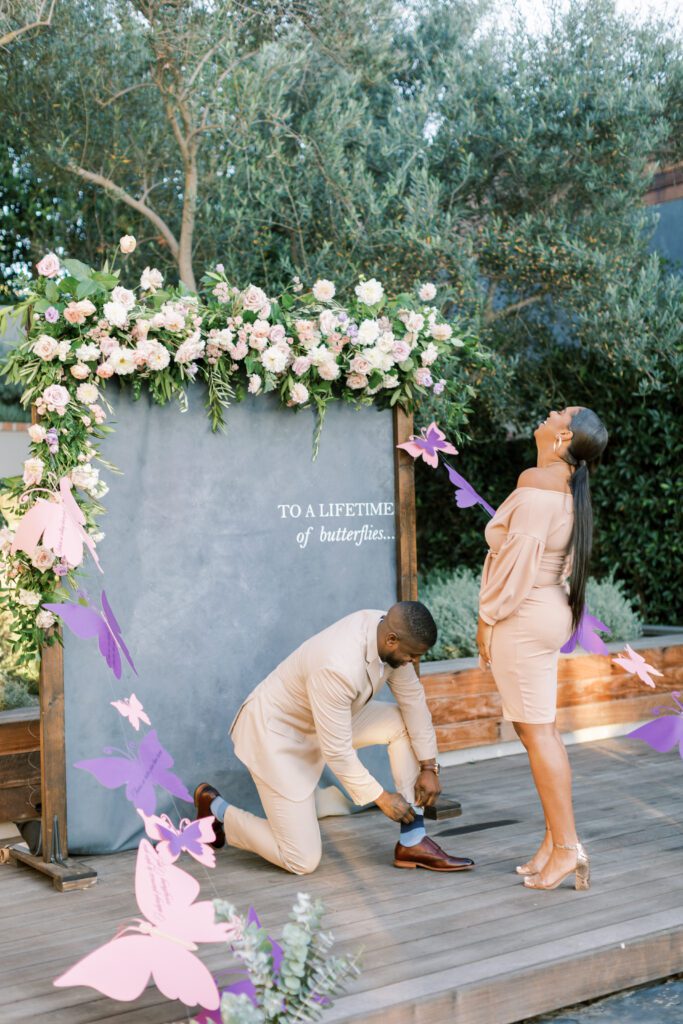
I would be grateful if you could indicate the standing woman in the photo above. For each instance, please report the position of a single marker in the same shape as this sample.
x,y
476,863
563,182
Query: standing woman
x,y
541,534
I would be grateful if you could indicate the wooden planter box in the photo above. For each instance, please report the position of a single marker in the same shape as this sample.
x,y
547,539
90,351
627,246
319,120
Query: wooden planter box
x,y
592,691
19,764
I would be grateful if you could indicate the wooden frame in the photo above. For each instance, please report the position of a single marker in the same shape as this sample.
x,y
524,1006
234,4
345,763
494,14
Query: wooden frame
x,y
53,859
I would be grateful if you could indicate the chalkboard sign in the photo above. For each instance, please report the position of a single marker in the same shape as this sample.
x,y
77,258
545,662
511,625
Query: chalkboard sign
x,y
221,555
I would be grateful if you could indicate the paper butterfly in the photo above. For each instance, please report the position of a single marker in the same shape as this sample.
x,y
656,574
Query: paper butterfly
x,y
662,734
139,772
428,445
160,945
132,709
191,836
245,985
585,636
85,622
634,662
61,525
465,494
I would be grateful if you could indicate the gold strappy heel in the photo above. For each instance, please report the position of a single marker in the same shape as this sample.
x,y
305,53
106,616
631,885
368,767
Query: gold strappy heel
x,y
582,870
522,869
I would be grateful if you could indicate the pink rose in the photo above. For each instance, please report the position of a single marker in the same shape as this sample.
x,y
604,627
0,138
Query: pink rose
x,y
105,371
277,334
48,266
80,371
359,365
56,396
127,243
73,314
423,378
239,350
400,351
329,370
301,365
357,381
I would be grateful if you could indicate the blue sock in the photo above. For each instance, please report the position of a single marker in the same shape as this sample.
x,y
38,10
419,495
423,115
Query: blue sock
x,y
414,833
218,808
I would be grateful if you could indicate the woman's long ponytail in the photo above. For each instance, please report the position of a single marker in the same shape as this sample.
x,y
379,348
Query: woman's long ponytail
x,y
587,445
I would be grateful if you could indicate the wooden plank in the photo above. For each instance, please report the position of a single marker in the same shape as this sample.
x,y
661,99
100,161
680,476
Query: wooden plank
x,y
406,535
19,770
16,803
53,755
19,730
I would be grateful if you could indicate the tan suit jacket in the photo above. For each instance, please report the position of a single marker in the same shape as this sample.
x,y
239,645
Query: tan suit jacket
x,y
299,717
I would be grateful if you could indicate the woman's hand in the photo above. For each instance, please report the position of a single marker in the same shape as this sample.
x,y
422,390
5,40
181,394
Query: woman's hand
x,y
484,633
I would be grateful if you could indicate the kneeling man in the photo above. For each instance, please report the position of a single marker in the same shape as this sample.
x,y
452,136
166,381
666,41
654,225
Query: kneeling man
x,y
317,708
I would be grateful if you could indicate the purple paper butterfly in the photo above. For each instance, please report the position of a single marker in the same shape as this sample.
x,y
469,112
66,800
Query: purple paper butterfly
x,y
663,733
585,636
139,770
85,622
465,494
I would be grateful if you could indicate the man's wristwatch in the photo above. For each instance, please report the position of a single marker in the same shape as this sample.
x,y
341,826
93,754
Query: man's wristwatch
x,y
433,767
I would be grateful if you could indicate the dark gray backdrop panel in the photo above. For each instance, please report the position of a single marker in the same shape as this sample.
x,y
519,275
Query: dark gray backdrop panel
x,y
210,585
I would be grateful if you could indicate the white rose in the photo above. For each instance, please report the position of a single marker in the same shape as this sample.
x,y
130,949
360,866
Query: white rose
x,y
254,384
116,314
368,332
151,279
430,354
414,322
122,360
329,369
254,299
441,332
86,353
37,433
127,243
274,359
299,393
6,538
63,350
124,296
427,292
390,381
87,393
157,355
33,471
369,292
44,619
29,598
261,328
85,476
323,290
171,317
45,347
328,321
386,342
192,348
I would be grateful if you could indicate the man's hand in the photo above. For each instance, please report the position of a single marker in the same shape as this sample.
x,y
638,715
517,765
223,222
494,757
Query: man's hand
x,y
427,788
395,807
484,632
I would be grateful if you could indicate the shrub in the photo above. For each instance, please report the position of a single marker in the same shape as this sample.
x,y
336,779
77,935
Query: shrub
x,y
453,599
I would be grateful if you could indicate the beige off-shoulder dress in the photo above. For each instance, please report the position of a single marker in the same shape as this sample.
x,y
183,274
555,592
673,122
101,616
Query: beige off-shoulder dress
x,y
524,597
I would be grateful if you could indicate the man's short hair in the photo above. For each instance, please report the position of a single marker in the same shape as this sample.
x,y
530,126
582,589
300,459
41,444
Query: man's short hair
x,y
418,622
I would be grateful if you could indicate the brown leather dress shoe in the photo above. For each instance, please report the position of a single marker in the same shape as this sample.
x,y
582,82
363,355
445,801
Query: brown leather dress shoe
x,y
428,854
203,795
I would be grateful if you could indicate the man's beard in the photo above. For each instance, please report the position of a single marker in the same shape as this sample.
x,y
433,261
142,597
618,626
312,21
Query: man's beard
x,y
394,662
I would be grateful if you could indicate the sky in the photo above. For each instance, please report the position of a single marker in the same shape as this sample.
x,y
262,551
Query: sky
x,y
672,10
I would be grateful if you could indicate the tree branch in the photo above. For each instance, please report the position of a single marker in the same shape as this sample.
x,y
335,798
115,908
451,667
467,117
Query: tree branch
x,y
9,37
513,307
136,204
122,92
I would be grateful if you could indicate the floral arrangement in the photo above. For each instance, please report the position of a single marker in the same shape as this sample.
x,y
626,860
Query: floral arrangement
x,y
83,328
295,986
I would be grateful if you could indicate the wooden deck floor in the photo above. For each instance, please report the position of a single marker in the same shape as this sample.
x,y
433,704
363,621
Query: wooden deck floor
x,y
472,948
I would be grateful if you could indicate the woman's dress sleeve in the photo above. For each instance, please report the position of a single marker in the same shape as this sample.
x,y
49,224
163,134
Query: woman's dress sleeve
x,y
510,573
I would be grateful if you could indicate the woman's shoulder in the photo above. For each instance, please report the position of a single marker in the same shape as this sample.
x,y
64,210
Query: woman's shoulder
x,y
537,479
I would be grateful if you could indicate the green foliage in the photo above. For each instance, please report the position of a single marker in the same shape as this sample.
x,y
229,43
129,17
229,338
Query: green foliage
x,y
308,979
453,599
18,681
607,600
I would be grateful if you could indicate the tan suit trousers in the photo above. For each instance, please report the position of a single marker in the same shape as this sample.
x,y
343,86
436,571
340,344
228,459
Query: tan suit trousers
x,y
289,835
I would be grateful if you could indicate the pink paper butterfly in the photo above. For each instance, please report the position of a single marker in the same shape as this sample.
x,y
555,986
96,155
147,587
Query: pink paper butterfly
x,y
191,836
634,662
132,709
428,445
60,523
161,944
